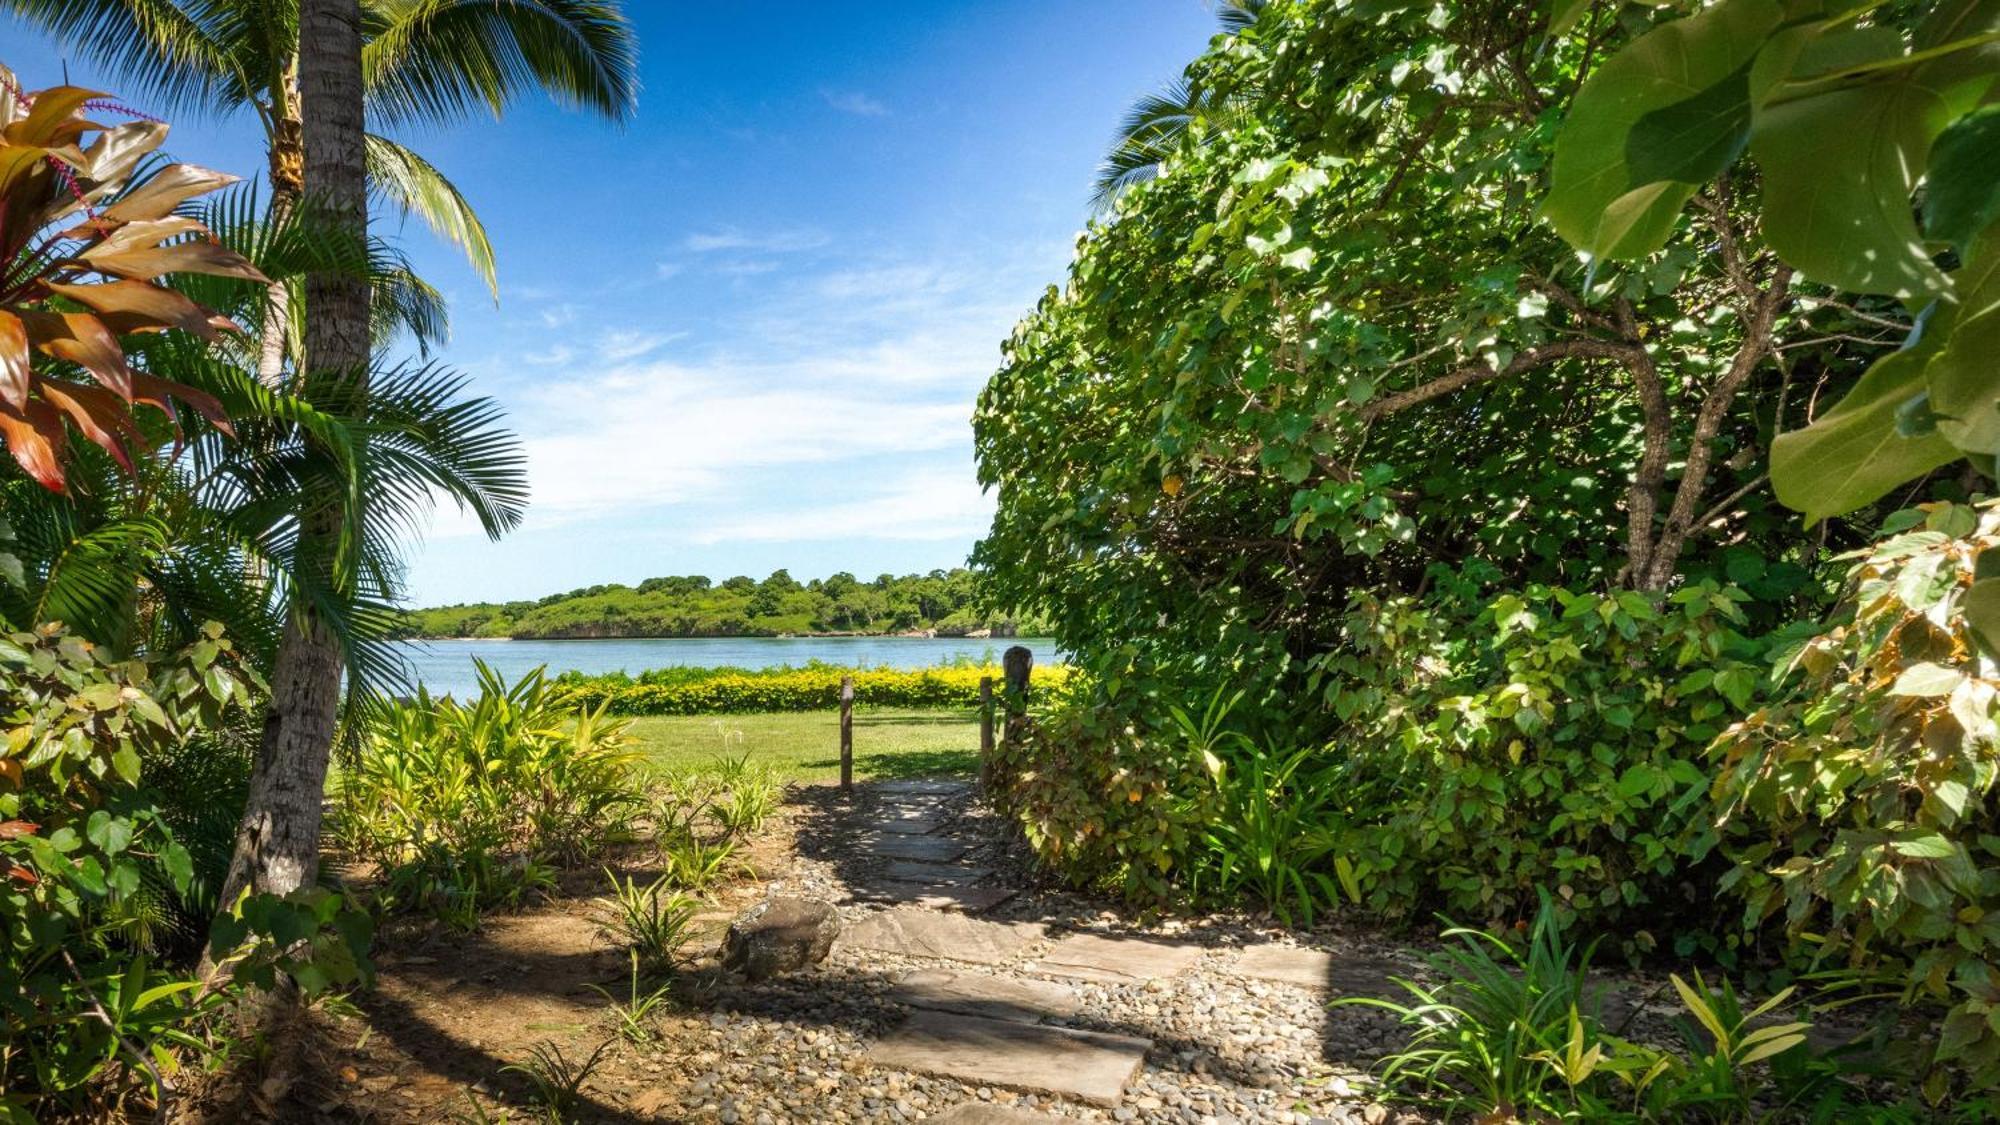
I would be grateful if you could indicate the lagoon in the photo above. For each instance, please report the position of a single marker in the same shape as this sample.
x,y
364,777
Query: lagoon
x,y
445,666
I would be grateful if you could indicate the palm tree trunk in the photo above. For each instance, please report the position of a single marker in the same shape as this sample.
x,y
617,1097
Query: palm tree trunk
x,y
288,186
277,842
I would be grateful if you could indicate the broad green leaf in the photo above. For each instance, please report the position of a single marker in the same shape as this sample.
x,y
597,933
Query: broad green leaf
x,y
1931,846
1838,171
1853,454
1679,80
1964,379
1981,607
1563,14
1926,680
1962,192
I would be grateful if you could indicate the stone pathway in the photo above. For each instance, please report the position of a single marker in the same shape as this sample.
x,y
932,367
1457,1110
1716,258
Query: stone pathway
x,y
1045,1015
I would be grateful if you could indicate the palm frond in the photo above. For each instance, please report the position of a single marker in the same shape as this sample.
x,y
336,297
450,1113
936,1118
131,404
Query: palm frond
x,y
177,52
415,187
1238,16
436,61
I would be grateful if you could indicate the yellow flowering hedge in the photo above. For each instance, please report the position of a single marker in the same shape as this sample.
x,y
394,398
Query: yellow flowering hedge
x,y
728,691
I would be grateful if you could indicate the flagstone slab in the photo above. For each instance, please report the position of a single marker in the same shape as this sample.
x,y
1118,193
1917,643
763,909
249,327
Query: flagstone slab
x,y
1116,960
1086,1065
933,849
913,931
905,825
1286,964
980,1113
983,994
972,900
936,874
924,787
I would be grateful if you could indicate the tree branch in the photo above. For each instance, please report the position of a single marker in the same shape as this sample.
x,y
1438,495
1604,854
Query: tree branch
x,y
1476,373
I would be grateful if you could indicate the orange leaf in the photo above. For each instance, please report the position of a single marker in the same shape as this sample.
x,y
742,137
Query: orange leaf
x,y
139,306
166,190
54,109
157,392
33,445
15,829
83,340
102,416
148,262
14,361
23,875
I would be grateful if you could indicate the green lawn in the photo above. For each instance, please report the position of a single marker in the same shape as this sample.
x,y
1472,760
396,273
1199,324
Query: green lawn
x,y
806,745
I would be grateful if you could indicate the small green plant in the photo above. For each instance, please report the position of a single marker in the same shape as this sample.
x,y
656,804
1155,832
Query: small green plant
x,y
653,920
558,1079
1484,1037
749,803
730,769
634,1012
697,865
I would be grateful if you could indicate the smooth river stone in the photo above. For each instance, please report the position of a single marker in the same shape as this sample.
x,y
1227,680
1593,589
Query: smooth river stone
x,y
1116,960
980,1113
982,994
912,931
1037,1058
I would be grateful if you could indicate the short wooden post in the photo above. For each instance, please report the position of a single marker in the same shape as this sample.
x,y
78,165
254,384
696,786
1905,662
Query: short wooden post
x,y
847,734
985,732
1017,663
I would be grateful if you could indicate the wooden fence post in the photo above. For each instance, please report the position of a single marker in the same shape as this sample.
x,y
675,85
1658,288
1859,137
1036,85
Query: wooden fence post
x,y
847,734
985,732
1017,663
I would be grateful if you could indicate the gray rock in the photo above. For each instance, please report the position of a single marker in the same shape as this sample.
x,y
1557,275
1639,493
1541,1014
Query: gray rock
x,y
782,934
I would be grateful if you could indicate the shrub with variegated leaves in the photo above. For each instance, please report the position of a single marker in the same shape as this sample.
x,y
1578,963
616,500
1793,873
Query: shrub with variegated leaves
x,y
1860,806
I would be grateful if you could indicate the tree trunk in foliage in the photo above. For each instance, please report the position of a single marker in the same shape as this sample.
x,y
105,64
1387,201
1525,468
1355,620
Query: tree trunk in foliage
x,y
288,186
277,843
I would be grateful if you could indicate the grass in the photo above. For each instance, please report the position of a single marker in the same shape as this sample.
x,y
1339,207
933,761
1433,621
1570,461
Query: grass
x,y
805,746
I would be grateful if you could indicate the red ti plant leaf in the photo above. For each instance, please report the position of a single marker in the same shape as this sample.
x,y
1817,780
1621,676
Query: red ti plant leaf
x,y
15,370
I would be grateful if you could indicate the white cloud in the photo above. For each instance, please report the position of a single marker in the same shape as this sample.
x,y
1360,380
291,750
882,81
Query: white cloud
x,y
620,345
558,316
666,270
936,506
766,242
854,102
556,356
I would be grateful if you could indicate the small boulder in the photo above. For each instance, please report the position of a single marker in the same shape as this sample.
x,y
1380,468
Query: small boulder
x,y
782,934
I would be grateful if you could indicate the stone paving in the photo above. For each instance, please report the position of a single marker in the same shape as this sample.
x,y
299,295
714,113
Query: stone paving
x,y
1065,1021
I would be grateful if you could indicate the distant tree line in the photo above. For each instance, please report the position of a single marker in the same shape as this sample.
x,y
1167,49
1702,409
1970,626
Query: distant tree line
x,y
943,601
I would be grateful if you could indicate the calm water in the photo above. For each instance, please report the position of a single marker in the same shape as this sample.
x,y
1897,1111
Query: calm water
x,y
446,666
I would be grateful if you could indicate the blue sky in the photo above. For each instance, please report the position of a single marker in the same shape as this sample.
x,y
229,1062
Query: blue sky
x,y
746,330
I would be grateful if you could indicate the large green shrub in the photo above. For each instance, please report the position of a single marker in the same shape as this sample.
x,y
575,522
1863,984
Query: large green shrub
x,y
460,806
94,1014
1543,739
1859,806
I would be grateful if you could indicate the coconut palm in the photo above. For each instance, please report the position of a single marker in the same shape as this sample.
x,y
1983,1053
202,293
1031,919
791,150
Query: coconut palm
x,y
424,62
1157,123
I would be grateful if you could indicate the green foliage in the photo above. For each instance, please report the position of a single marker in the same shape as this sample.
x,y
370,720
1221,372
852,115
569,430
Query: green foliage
x,y
86,850
1844,112
1541,739
946,601
558,1079
1101,801
462,806
816,687
695,864
1859,804
635,1012
653,920
1509,1033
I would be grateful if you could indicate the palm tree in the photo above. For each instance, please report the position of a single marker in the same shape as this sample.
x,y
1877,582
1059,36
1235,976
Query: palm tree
x,y
424,62
1157,124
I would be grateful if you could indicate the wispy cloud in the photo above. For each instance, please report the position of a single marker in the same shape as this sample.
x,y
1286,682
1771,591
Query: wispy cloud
x,y
758,242
854,102
620,345
936,506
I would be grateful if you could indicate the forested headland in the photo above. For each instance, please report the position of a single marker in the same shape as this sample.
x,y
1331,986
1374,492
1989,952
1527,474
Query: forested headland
x,y
944,602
